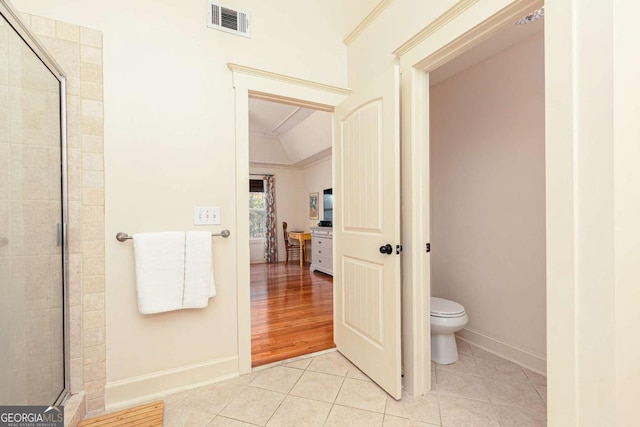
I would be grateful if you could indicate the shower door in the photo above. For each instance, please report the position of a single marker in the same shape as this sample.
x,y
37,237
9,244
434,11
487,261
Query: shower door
x,y
32,344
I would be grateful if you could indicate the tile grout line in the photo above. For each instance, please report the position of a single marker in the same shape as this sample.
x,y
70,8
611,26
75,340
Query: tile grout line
x,y
484,385
439,396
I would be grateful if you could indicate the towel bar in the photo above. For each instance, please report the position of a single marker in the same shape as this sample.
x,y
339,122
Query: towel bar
x,y
121,237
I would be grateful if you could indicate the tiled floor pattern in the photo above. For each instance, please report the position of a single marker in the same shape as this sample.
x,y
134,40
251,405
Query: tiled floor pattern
x,y
480,389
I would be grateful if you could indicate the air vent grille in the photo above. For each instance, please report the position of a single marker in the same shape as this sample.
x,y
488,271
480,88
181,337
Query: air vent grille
x,y
228,20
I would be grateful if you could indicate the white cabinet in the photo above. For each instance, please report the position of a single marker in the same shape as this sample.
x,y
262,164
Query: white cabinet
x,y
322,249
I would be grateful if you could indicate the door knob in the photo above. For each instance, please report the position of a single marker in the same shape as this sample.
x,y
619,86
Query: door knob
x,y
386,249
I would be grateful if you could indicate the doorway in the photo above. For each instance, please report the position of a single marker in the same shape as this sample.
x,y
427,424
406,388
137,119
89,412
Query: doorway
x,y
419,57
487,216
487,191
290,166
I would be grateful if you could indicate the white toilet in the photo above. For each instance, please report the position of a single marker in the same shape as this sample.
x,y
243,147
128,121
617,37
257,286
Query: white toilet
x,y
447,317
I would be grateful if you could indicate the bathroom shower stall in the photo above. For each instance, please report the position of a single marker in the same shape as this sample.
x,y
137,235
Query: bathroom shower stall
x,y
33,342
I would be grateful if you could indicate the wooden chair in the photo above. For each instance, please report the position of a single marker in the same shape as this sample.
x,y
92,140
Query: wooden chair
x,y
289,247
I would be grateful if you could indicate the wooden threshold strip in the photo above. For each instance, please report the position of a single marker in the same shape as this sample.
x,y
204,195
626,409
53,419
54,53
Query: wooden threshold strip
x,y
148,415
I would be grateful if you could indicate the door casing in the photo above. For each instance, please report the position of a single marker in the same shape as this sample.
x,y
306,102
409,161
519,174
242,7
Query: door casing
x,y
279,88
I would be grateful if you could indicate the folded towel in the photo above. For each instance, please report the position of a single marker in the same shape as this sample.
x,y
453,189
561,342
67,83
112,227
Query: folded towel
x,y
159,271
199,284
173,270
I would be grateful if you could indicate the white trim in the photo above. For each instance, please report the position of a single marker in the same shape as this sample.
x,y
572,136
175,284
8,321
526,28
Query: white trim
x,y
375,12
123,393
263,74
442,20
415,233
294,359
274,166
529,359
505,17
301,165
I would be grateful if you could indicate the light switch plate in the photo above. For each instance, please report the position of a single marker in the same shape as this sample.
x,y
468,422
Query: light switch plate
x,y
206,215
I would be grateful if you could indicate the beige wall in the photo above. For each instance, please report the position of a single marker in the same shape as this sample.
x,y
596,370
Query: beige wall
x,y
293,186
310,137
488,196
371,51
169,132
267,150
317,178
290,203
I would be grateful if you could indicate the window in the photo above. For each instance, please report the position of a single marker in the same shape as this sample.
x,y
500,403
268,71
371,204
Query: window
x,y
257,210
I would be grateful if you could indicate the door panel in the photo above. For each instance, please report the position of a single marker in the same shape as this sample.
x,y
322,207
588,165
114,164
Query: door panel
x,y
362,152
367,193
363,282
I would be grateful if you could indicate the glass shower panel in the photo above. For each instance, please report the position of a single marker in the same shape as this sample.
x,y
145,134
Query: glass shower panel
x,y
31,247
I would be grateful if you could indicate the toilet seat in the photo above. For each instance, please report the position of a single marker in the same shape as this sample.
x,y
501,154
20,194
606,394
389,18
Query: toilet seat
x,y
445,308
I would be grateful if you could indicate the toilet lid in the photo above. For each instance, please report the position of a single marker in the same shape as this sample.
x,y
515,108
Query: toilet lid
x,y
441,307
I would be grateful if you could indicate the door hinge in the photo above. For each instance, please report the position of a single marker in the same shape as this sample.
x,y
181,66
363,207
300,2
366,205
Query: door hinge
x,y
398,249
428,247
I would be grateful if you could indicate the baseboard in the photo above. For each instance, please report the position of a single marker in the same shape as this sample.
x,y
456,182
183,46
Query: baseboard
x,y
124,393
530,360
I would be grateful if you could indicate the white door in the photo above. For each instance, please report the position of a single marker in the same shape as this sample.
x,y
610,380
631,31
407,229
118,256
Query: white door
x,y
367,183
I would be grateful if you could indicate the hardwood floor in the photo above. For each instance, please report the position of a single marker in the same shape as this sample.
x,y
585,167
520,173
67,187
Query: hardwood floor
x,y
148,415
291,312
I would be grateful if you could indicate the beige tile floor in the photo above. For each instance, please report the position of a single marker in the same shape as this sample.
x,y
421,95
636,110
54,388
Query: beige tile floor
x,y
481,389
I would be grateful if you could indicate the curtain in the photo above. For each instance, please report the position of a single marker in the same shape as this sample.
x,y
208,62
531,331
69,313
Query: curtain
x,y
271,237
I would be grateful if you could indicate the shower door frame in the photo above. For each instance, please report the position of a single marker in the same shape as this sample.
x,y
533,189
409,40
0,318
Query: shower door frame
x,y
54,68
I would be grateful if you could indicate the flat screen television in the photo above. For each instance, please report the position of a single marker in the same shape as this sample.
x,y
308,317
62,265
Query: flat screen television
x,y
327,204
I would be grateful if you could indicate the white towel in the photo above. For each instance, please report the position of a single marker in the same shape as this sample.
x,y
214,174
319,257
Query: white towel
x,y
173,270
199,285
159,271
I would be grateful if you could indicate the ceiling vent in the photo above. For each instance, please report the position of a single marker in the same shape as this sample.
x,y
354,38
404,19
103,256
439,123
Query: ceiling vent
x,y
228,20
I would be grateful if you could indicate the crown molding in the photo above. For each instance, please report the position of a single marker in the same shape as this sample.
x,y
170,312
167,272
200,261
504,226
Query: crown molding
x,y
506,16
434,26
291,101
267,165
242,69
300,166
380,7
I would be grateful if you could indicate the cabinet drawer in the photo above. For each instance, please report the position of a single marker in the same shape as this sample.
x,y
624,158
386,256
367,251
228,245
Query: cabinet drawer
x,y
322,251
322,242
323,261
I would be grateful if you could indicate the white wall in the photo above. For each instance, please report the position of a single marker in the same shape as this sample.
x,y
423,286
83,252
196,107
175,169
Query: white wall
x,y
169,132
488,195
